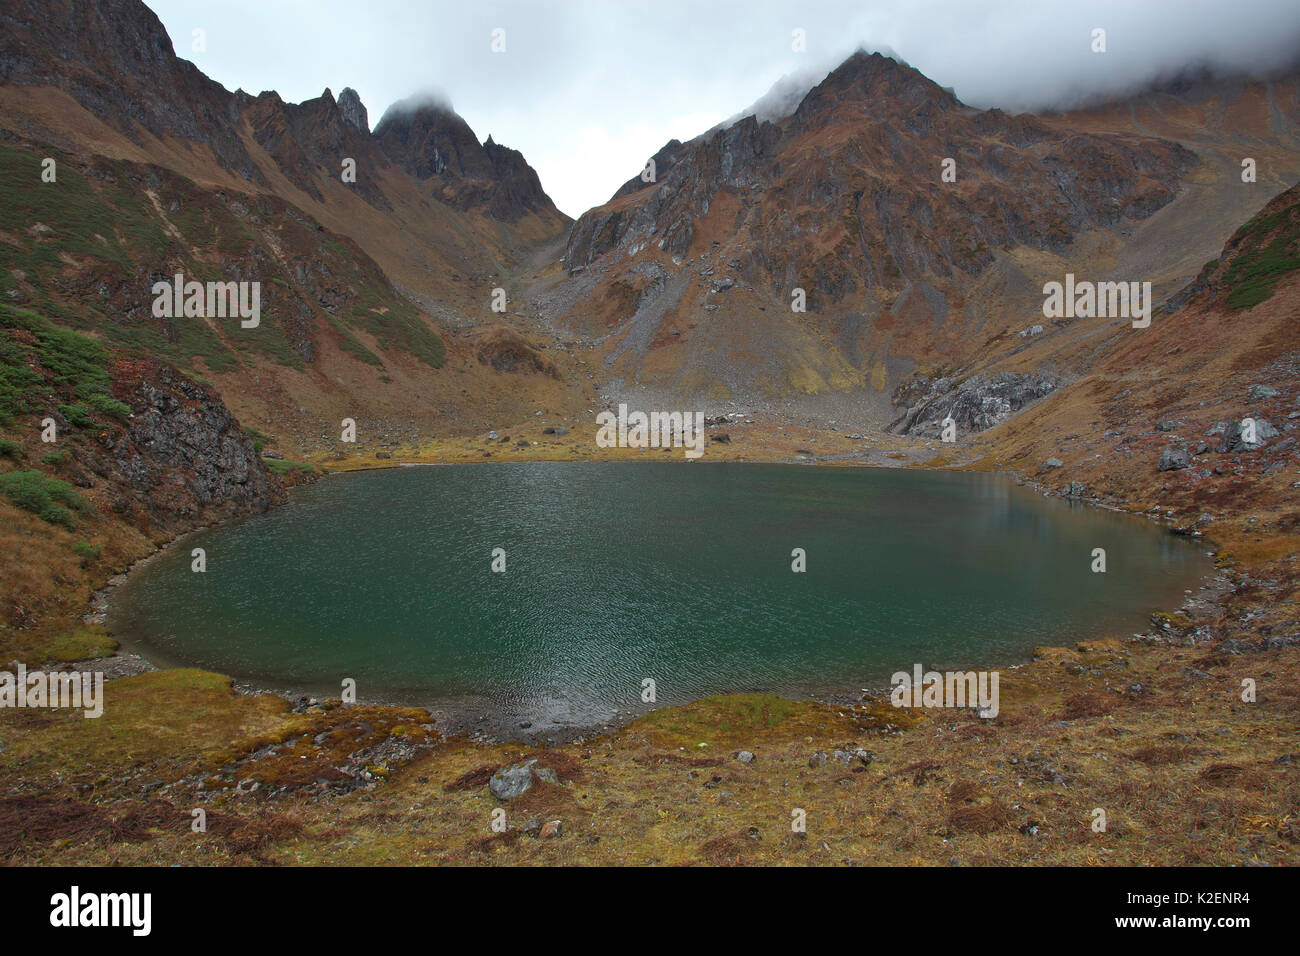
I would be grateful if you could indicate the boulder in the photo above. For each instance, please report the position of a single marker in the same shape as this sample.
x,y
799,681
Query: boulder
x,y
1173,458
551,829
848,757
513,781
1231,436
1260,393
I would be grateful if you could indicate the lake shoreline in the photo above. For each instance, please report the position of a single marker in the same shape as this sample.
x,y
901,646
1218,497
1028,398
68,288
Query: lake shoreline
x,y
493,726
1130,723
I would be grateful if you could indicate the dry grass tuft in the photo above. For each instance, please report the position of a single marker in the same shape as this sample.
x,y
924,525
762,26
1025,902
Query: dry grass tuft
x,y
733,849
980,818
963,791
1157,756
1083,706
1222,773
471,779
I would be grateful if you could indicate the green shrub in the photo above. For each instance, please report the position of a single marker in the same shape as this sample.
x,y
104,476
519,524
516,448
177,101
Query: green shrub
x,y
260,439
79,415
11,449
18,382
48,498
1256,270
76,366
86,551
25,489
107,405
281,466
57,514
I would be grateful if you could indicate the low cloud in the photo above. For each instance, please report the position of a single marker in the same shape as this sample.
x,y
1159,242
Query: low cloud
x,y
424,99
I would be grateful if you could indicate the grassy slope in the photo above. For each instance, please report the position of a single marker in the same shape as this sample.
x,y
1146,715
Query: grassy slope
x,y
103,224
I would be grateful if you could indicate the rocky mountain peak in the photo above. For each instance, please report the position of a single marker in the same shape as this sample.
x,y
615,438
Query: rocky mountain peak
x,y
430,141
115,59
875,83
354,111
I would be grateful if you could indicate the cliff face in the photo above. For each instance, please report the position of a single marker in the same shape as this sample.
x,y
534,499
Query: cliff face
x,y
161,450
115,58
183,453
430,140
353,110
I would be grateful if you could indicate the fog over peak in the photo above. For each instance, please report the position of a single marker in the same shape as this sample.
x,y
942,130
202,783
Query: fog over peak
x,y
788,92
782,99
587,89
427,98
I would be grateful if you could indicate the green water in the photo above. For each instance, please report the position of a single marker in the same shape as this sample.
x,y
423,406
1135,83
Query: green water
x,y
620,572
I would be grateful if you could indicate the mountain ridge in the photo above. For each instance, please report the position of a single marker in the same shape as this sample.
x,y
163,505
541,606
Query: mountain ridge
x,y
109,85
682,285
844,199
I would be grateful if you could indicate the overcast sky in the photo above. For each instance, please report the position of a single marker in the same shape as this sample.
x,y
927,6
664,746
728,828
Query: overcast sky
x,y
588,89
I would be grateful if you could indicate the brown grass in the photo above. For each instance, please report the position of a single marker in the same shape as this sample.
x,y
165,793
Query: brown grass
x,y
1160,756
980,818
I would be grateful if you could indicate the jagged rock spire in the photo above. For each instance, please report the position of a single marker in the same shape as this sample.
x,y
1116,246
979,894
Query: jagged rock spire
x,y
354,111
